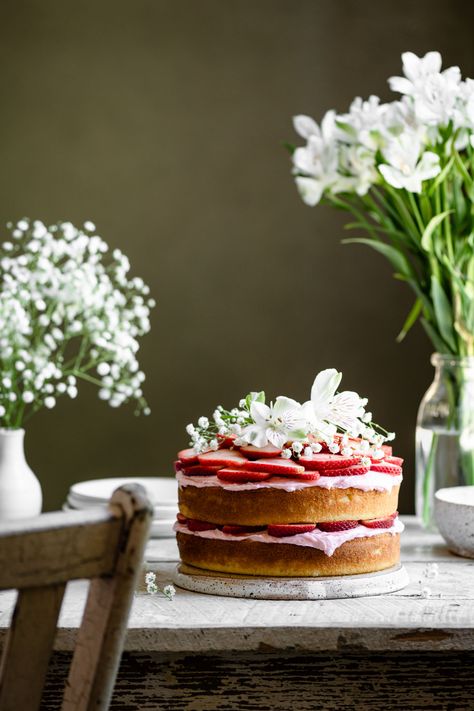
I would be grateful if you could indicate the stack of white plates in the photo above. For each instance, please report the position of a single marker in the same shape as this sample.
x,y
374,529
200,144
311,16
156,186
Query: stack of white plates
x,y
163,493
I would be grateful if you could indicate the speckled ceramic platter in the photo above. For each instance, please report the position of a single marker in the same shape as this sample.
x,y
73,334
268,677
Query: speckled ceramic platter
x,y
345,586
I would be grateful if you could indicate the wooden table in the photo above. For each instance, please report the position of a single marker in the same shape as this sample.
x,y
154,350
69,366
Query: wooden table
x,y
413,649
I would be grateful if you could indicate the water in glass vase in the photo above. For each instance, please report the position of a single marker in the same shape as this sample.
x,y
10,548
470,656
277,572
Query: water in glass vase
x,y
439,465
445,433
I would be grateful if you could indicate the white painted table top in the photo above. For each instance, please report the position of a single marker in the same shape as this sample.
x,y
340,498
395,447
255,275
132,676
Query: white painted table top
x,y
192,622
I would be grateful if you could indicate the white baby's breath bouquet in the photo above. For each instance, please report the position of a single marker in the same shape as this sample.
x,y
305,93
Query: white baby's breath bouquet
x,y
69,312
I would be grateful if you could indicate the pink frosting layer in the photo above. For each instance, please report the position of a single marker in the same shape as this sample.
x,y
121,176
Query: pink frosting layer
x,y
326,542
372,481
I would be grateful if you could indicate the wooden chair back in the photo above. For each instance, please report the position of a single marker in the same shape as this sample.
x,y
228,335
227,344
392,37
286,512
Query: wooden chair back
x,y
38,557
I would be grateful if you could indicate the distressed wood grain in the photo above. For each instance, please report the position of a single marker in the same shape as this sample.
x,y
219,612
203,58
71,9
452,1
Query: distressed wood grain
x,y
347,681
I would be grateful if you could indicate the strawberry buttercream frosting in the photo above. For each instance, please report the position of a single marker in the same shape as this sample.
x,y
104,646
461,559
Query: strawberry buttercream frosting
x,y
371,481
326,542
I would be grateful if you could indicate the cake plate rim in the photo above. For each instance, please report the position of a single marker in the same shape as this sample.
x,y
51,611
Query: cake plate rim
x,y
210,582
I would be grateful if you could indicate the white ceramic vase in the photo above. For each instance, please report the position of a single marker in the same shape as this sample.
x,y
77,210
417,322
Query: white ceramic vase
x,y
20,490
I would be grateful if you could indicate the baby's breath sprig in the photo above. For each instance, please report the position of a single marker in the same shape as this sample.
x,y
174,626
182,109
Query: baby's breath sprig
x,y
224,423
153,589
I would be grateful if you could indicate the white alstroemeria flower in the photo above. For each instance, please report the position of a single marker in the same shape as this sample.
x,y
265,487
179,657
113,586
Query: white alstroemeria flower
x,y
405,168
357,163
364,123
434,92
316,164
277,423
327,410
346,410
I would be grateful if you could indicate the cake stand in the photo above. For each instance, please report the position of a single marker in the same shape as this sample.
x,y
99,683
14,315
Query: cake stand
x,y
263,588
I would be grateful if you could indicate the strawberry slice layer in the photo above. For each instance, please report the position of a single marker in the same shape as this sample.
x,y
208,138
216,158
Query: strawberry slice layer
x,y
355,470
199,470
333,526
222,458
226,441
188,456
258,452
321,462
276,465
398,461
282,530
386,468
304,476
235,530
195,525
241,476
180,518
380,522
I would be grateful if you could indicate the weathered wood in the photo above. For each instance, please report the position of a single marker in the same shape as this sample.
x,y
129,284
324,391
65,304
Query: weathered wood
x,y
28,647
100,638
344,681
58,547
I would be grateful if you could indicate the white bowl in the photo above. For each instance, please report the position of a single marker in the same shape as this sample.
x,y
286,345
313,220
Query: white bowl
x,y
454,515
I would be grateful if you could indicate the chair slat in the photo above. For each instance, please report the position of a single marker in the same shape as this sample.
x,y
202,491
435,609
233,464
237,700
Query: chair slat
x,y
82,545
28,647
104,625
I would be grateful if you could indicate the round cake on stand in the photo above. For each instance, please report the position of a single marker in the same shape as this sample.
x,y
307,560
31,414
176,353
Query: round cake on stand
x,y
290,501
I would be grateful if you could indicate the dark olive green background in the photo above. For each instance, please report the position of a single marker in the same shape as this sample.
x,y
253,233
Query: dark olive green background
x,y
162,122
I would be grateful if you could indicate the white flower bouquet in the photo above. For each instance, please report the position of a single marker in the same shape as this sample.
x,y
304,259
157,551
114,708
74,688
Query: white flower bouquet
x,y
405,171
68,313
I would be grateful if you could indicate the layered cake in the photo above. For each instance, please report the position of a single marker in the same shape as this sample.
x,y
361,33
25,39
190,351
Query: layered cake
x,y
290,490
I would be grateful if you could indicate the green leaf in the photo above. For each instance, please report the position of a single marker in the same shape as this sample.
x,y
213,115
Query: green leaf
x,y
443,312
395,257
289,147
410,319
463,170
434,337
426,237
441,176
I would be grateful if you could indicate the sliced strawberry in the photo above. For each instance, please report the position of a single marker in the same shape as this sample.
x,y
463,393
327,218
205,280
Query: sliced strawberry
x,y
195,525
382,466
333,526
394,460
380,522
180,518
387,450
355,470
241,476
188,456
275,465
281,530
177,466
237,530
258,452
222,458
321,462
304,476
200,470
226,441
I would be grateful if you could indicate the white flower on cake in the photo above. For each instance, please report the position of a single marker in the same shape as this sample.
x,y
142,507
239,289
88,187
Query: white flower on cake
x,y
329,417
277,423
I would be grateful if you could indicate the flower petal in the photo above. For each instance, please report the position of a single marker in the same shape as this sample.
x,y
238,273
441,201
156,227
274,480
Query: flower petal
x,y
324,386
305,126
310,190
260,412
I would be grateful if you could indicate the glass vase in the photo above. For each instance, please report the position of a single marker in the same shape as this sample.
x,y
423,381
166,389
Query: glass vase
x,y
445,433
